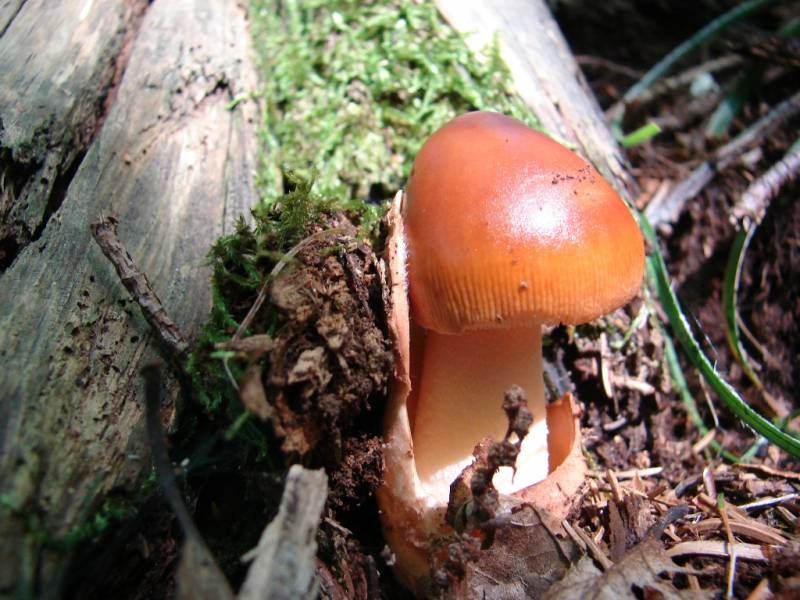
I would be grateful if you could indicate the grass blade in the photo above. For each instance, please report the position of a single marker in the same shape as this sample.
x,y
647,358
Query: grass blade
x,y
659,281
733,272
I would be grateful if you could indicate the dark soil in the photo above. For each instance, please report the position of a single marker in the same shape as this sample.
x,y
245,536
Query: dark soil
x,y
635,429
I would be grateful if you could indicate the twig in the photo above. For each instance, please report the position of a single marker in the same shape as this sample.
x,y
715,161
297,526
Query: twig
x,y
198,575
791,475
759,130
754,552
594,550
161,462
731,576
574,535
585,60
769,502
105,234
670,206
763,45
749,211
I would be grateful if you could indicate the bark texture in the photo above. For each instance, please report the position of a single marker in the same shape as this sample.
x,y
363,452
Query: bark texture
x,y
173,163
59,63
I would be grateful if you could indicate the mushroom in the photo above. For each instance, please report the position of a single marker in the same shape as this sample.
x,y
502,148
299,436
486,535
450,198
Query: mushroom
x,y
502,230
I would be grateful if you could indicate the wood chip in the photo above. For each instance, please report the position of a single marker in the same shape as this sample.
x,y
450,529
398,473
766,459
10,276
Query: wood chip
x,y
704,441
635,385
752,552
284,562
615,487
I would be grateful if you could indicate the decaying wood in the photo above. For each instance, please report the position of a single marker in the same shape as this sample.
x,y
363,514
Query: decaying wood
x,y
173,163
284,562
545,75
58,64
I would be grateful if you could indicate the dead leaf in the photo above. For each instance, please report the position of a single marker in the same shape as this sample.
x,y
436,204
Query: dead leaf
x,y
639,568
529,553
253,396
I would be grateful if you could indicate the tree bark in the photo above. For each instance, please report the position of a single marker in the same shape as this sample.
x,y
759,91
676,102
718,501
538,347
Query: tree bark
x,y
173,163
59,63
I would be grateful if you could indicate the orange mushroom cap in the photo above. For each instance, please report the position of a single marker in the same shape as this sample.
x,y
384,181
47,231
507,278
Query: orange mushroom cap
x,y
506,227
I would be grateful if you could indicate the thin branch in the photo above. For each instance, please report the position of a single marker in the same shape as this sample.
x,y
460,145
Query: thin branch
x,y
170,335
671,205
753,204
161,461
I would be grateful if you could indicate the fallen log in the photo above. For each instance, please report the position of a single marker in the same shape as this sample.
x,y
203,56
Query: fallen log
x,y
173,163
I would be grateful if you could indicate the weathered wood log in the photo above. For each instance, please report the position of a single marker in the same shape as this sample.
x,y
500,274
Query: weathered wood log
x,y
545,75
173,163
59,62
8,10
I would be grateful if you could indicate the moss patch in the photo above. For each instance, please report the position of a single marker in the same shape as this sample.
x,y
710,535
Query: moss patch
x,y
352,89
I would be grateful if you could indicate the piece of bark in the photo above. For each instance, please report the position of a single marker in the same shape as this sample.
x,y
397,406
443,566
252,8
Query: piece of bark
x,y
173,163
58,64
284,562
544,74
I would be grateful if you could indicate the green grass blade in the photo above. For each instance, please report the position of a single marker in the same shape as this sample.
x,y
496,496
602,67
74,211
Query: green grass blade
x,y
679,382
665,64
733,273
657,274
641,135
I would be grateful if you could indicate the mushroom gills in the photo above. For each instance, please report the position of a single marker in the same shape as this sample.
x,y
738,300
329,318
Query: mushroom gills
x,y
461,388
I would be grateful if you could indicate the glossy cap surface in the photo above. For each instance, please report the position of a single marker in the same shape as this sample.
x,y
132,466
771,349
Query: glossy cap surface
x,y
506,227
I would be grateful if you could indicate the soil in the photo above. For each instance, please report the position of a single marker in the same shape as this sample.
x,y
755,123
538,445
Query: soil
x,y
636,430
328,365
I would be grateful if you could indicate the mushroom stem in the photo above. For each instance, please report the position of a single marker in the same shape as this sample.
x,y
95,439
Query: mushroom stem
x,y
459,402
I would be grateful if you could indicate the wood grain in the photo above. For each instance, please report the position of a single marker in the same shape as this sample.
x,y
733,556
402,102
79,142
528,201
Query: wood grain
x,y
59,62
174,165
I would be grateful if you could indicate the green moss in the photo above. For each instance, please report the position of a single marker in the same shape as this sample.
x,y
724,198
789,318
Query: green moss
x,y
113,510
351,90
241,263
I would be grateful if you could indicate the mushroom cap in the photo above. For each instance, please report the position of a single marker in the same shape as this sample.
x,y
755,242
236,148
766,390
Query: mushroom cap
x,y
506,227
